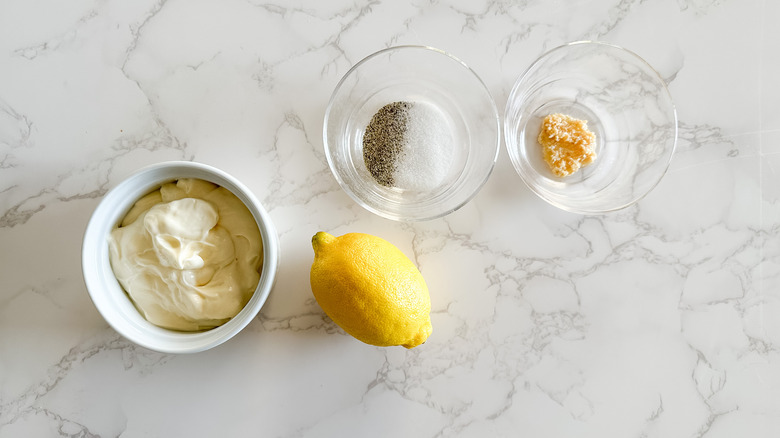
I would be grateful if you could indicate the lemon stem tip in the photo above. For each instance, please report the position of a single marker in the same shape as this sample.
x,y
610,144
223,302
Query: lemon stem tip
x,y
321,238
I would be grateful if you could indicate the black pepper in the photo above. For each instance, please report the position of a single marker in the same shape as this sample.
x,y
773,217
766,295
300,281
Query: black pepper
x,y
383,141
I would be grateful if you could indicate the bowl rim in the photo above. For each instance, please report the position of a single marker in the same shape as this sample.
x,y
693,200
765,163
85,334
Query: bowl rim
x,y
512,96
332,165
108,296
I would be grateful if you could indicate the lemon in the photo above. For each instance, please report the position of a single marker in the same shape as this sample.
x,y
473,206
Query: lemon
x,y
370,289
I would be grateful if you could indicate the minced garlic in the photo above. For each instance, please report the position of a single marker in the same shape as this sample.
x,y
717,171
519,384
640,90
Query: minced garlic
x,y
567,144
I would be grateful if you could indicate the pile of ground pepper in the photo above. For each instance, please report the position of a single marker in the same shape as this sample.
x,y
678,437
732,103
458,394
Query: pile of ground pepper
x,y
408,145
383,141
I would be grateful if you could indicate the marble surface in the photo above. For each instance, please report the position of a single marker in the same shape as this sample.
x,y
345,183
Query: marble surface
x,y
655,321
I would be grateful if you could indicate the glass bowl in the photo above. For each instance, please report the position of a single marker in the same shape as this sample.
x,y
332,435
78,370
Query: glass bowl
x,y
113,302
627,106
449,97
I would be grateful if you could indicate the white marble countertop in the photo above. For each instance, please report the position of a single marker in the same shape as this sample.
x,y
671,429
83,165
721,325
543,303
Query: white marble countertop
x,y
655,321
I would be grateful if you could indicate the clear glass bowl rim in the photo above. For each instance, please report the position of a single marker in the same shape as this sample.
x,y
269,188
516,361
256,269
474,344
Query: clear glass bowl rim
x,y
332,164
508,126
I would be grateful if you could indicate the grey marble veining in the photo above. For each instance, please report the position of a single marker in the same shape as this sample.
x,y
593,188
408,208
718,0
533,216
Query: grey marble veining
x,y
654,321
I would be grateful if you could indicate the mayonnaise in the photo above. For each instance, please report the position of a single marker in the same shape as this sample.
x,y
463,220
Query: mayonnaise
x,y
189,255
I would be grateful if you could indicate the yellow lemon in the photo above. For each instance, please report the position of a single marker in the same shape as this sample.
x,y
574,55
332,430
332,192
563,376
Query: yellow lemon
x,y
370,289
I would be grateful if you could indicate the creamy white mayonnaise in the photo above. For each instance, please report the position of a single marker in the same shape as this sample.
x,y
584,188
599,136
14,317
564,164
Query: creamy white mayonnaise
x,y
189,255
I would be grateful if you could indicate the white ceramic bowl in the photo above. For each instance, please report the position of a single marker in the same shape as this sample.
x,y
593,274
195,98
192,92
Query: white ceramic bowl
x,y
111,300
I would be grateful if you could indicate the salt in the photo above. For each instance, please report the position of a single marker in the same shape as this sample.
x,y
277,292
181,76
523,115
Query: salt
x,y
408,145
427,154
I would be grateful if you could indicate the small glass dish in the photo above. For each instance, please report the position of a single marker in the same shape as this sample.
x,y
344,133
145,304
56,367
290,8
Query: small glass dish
x,y
421,75
627,106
